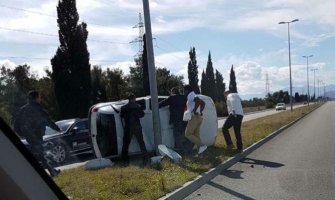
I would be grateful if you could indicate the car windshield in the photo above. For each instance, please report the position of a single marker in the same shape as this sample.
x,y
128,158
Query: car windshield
x,y
76,65
65,124
50,131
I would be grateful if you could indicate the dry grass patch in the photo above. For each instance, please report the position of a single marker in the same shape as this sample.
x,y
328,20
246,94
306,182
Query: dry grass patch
x,y
151,182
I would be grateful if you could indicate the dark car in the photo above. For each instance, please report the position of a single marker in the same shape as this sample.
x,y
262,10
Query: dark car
x,y
73,140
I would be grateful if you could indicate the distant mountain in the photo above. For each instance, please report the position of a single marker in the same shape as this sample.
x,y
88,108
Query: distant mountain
x,y
330,92
330,89
251,96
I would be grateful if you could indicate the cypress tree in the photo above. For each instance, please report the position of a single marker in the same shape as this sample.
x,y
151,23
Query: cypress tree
x,y
211,87
220,86
70,65
193,71
232,82
204,88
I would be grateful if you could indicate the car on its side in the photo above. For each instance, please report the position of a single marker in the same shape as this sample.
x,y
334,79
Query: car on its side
x,y
72,140
106,129
280,106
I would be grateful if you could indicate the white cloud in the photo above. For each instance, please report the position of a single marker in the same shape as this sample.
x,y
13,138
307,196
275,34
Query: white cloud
x,y
315,41
173,61
7,63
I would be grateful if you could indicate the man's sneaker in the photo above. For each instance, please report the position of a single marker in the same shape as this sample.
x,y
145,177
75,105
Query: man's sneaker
x,y
202,148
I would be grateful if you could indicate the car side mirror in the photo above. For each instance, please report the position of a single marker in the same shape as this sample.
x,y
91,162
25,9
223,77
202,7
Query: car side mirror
x,y
74,130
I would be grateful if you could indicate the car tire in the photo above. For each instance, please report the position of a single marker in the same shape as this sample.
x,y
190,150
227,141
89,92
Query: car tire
x,y
60,153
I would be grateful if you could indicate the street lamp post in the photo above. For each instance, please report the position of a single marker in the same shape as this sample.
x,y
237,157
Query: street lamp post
x,y
289,56
314,81
308,97
319,82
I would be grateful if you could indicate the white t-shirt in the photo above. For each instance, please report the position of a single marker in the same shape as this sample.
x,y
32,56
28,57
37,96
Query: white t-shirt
x,y
190,101
234,104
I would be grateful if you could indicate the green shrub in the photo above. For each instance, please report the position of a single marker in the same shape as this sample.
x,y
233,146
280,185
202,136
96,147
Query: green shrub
x,y
270,105
221,109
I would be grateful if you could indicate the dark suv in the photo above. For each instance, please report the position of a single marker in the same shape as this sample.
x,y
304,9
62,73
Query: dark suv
x,y
73,140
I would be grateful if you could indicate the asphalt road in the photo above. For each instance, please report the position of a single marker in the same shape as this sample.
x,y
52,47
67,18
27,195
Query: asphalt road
x,y
256,115
299,163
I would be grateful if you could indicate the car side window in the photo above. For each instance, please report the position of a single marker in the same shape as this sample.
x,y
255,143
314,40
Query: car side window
x,y
82,125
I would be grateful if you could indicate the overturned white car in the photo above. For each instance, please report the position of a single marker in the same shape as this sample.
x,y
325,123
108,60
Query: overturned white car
x,y
106,129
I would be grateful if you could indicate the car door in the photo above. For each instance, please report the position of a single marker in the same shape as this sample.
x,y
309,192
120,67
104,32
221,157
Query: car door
x,y
80,140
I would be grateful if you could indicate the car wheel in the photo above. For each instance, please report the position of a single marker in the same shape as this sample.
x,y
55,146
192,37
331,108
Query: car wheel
x,y
60,153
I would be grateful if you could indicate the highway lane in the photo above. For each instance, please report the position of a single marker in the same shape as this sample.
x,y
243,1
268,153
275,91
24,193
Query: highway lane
x,y
299,164
256,115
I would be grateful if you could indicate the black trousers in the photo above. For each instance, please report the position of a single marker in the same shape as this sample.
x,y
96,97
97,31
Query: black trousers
x,y
236,123
178,133
129,131
37,149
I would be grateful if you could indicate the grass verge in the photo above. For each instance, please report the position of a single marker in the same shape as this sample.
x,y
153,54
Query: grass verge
x,y
146,182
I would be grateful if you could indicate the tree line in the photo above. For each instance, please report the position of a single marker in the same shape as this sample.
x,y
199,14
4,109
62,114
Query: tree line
x,y
73,85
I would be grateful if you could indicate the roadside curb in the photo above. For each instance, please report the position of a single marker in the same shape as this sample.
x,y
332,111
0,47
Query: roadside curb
x,y
189,187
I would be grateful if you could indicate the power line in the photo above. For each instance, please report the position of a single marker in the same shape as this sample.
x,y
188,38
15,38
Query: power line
x,y
176,48
30,32
166,51
47,15
36,58
53,35
24,10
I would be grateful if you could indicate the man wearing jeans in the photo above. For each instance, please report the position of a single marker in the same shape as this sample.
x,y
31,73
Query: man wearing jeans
x,y
234,119
195,106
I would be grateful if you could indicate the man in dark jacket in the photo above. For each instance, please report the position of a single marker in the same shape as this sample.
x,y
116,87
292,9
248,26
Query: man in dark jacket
x,y
131,114
30,123
177,105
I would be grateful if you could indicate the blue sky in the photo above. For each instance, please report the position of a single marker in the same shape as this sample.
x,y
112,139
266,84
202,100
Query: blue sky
x,y
245,34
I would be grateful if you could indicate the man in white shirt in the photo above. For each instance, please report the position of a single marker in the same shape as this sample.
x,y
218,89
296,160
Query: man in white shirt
x,y
235,111
195,106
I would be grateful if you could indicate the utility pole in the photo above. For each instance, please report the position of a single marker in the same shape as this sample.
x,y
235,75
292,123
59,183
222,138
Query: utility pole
x,y
319,88
152,76
267,84
289,56
308,96
314,81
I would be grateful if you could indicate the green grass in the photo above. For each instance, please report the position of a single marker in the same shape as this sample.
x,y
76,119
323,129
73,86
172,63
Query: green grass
x,y
145,182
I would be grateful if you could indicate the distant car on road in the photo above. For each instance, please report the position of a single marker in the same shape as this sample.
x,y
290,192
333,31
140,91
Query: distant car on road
x,y
73,139
280,106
